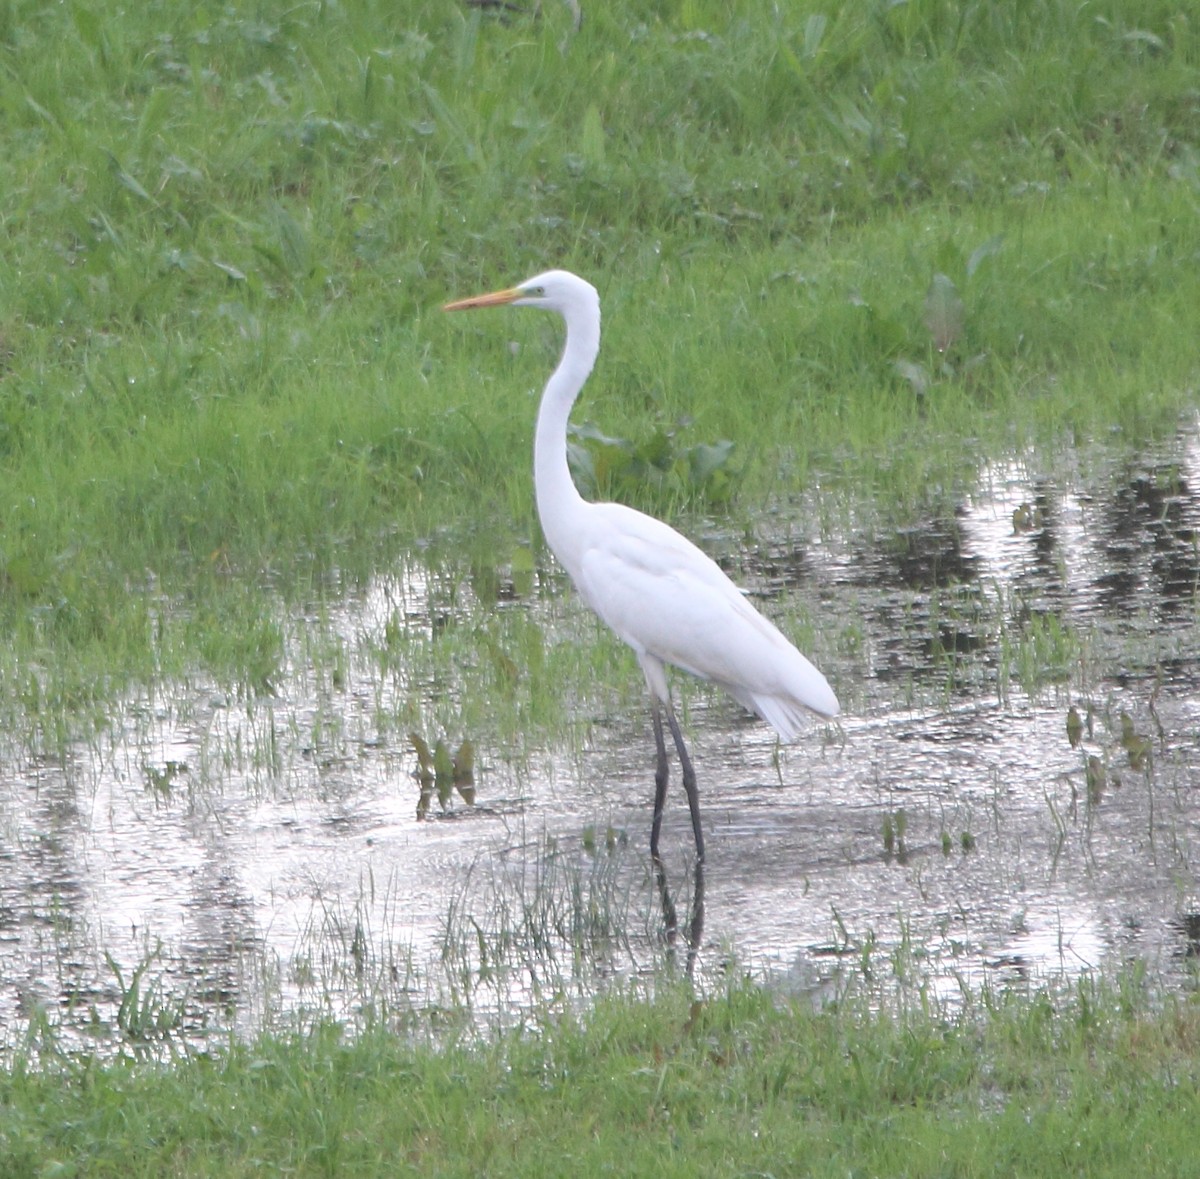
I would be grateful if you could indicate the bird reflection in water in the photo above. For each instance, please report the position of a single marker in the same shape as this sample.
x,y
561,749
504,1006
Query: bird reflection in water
x,y
693,931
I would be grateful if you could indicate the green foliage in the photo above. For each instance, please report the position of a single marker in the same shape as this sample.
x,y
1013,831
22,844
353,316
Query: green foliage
x,y
618,468
226,233
144,1014
1083,1084
438,771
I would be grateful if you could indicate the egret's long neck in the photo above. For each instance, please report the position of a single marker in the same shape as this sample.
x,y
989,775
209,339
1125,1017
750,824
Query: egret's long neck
x,y
558,500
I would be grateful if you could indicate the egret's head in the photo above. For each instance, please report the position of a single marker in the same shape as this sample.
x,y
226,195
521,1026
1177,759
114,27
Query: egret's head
x,y
555,290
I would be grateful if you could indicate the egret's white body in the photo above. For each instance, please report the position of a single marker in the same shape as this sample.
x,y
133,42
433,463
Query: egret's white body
x,y
664,597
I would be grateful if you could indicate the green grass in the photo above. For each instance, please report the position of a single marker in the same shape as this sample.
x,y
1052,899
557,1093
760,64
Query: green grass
x,y
227,233
1090,1084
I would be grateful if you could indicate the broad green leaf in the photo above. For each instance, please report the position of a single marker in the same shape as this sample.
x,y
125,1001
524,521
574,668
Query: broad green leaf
x,y
944,312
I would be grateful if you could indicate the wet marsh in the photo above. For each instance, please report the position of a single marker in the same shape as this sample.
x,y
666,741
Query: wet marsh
x,y
305,741
216,860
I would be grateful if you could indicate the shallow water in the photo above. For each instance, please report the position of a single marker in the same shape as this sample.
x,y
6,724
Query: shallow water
x,y
213,863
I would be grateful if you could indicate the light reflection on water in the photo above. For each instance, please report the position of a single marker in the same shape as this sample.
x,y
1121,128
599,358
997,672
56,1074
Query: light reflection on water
x,y
267,858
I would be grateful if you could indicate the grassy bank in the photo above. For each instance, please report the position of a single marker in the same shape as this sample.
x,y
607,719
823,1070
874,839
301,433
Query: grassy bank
x,y
1087,1084
226,236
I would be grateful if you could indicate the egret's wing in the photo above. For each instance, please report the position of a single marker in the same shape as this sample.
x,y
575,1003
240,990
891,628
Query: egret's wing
x,y
662,595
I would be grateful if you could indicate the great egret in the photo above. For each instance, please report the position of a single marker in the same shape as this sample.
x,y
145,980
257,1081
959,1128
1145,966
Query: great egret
x,y
669,601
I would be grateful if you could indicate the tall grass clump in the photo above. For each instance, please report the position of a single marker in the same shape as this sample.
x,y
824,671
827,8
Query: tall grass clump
x,y
226,233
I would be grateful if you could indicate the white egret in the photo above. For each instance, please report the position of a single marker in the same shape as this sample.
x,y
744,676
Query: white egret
x,y
669,601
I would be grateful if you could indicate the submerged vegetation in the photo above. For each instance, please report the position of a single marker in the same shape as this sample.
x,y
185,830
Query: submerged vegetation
x,y
900,304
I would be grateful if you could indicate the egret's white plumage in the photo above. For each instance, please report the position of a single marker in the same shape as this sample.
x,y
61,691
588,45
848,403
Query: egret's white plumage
x,y
668,600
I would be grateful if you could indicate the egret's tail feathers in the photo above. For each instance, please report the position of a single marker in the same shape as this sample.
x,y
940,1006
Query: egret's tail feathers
x,y
788,716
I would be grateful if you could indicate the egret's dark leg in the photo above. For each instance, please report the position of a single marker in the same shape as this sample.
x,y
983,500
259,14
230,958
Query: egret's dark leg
x,y
689,779
661,771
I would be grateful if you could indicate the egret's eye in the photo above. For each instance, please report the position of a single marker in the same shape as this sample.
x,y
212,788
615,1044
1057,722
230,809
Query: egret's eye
x,y
536,292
